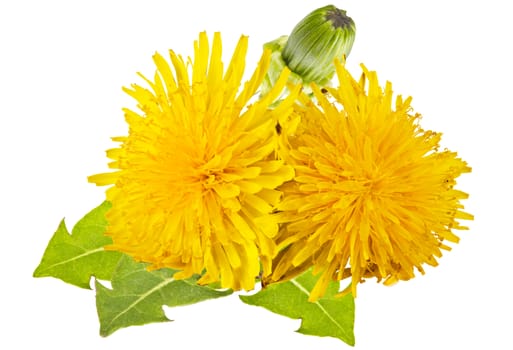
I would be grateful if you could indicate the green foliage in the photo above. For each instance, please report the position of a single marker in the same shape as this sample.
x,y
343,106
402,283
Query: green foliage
x,y
137,295
75,258
329,316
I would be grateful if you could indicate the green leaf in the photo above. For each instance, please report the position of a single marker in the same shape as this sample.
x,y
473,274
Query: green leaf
x,y
329,316
75,258
137,295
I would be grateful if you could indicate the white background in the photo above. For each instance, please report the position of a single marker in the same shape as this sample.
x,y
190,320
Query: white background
x,y
62,65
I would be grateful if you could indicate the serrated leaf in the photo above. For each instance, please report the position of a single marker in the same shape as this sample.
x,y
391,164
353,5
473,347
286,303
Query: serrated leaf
x,y
137,295
77,257
329,316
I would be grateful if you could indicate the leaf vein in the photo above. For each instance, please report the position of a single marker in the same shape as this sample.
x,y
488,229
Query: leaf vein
x,y
141,298
324,311
83,255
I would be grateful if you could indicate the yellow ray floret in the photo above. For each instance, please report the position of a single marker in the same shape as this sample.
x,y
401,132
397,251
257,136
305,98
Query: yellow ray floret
x,y
196,177
373,195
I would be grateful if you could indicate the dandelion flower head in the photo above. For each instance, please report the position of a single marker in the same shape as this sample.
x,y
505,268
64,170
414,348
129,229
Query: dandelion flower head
x,y
373,195
195,179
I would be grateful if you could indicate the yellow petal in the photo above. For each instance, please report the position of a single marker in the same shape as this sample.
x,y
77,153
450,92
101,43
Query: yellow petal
x,y
227,190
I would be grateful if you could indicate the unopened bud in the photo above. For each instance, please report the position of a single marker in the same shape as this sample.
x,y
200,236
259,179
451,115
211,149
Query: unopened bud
x,y
323,35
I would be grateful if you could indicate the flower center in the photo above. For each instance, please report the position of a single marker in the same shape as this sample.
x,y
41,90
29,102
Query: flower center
x,y
210,178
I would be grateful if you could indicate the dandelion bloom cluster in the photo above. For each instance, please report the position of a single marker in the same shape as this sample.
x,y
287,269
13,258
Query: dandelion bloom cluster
x,y
373,194
196,177
211,182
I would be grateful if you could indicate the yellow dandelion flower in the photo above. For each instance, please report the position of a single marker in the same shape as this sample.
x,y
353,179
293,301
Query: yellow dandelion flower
x,y
196,176
373,194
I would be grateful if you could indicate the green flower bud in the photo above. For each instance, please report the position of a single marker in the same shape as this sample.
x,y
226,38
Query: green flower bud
x,y
323,35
